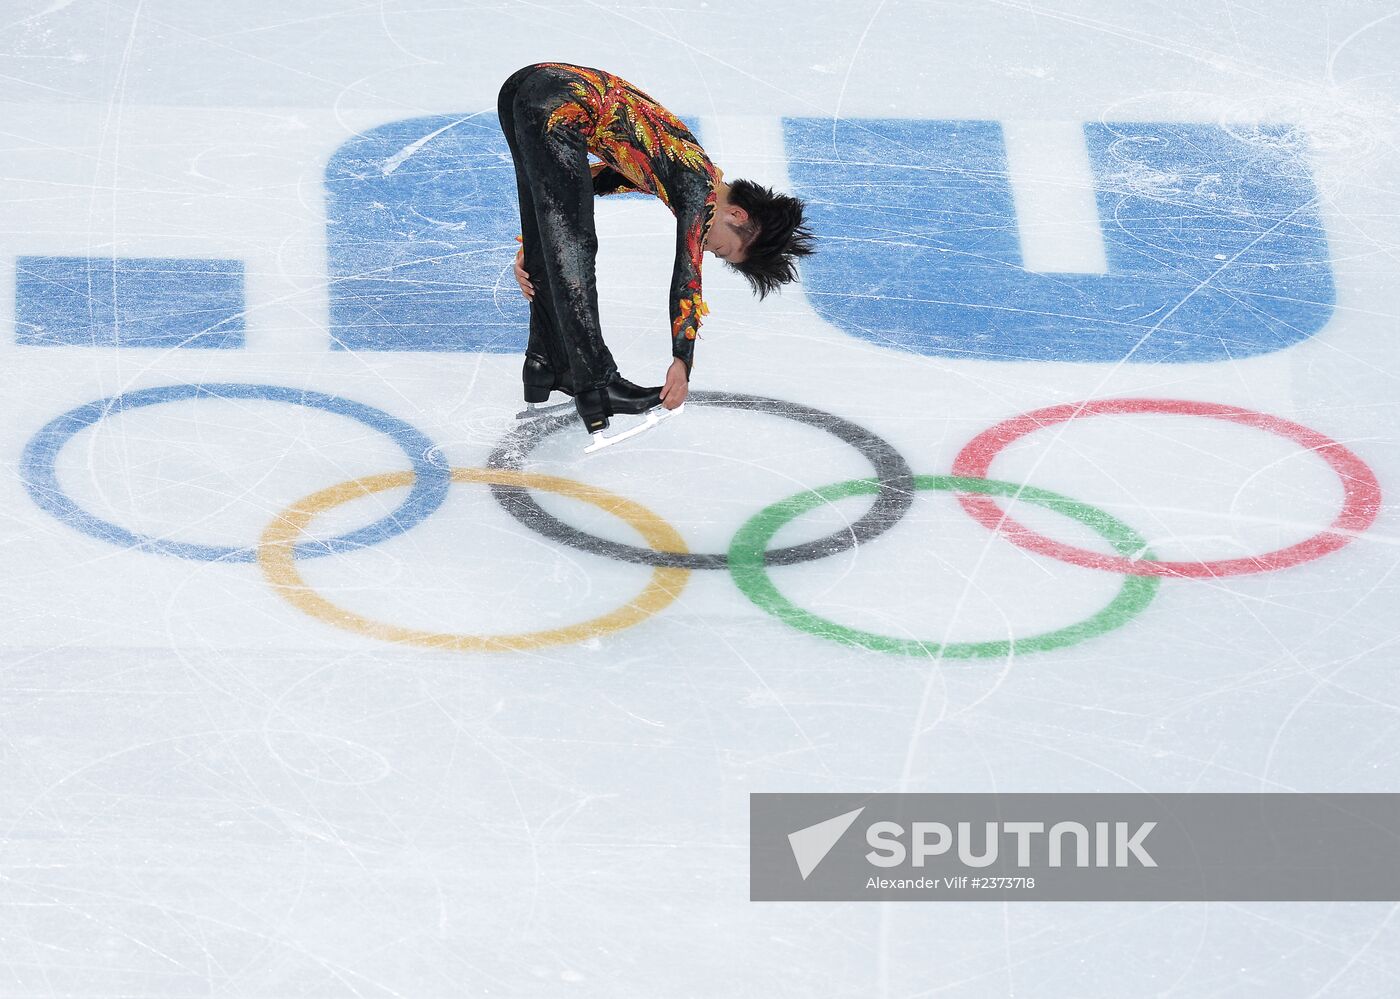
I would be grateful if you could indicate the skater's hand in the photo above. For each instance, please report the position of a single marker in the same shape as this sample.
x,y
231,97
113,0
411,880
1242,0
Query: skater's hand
x,y
526,288
677,385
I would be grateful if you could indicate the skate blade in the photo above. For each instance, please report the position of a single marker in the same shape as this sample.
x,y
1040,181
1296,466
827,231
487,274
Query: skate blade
x,y
654,417
534,410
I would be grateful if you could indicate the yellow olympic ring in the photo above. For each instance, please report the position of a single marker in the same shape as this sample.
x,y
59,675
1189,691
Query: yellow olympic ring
x,y
278,563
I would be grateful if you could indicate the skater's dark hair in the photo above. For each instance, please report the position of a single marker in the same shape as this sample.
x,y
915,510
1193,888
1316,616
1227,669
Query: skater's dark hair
x,y
776,232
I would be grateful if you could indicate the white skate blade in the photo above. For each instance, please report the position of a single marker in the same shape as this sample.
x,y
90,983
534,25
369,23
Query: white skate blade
x,y
533,410
654,417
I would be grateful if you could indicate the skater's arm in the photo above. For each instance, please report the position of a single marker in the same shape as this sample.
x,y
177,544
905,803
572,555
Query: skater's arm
x,y
607,181
687,307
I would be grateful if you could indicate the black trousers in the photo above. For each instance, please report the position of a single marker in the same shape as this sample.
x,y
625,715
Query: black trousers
x,y
555,187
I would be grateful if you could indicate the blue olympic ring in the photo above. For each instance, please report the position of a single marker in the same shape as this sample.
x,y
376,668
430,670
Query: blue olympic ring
x,y
39,463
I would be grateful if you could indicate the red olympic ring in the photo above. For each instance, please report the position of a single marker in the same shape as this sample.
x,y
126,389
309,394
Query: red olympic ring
x,y
1359,509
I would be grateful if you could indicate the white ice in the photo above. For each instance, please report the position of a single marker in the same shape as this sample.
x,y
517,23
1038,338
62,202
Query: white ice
x,y
205,791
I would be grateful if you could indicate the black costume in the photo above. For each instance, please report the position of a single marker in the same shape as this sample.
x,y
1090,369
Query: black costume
x,y
553,116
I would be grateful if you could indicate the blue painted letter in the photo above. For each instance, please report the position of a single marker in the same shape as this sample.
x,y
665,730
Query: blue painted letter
x,y
422,222
128,302
1214,244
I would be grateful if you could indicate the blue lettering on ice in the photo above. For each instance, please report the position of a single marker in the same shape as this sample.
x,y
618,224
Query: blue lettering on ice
x,y
1214,244
422,216
422,221
128,302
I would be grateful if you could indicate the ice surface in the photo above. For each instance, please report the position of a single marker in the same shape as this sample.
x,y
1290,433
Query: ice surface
x,y
206,790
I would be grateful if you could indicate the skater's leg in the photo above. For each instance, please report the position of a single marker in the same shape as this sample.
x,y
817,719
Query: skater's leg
x,y
560,187
545,353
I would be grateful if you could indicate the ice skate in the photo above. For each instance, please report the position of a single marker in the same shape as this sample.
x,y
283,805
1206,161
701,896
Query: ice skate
x,y
653,416
533,410
541,379
619,397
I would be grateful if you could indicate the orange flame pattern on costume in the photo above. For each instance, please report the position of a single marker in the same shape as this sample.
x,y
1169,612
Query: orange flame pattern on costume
x,y
643,142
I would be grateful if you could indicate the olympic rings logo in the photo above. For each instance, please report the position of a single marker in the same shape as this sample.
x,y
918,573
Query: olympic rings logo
x,y
749,559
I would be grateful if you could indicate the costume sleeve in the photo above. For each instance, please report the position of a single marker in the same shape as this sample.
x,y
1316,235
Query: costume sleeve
x,y
687,307
607,181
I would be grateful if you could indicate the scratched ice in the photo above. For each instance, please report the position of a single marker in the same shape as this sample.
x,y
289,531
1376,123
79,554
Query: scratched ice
x,y
257,251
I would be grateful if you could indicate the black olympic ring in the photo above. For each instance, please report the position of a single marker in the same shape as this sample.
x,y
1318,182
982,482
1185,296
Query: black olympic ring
x,y
892,472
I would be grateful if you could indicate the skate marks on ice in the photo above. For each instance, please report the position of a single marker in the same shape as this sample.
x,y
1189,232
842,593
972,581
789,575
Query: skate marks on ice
x,y
891,470
1195,241
748,556
1213,244
1210,236
277,556
41,457
1361,490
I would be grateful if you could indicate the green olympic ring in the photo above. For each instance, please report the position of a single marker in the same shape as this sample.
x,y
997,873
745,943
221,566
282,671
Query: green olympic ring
x,y
747,567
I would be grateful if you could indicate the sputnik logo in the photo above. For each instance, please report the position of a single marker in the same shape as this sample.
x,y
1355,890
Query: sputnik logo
x,y
811,845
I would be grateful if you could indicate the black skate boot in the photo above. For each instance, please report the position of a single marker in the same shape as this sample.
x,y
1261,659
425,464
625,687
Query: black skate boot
x,y
594,408
620,396
627,397
541,378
